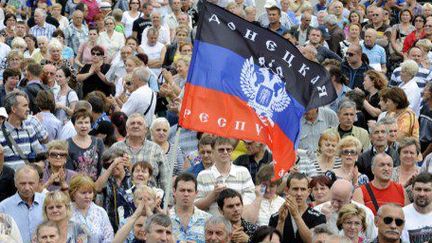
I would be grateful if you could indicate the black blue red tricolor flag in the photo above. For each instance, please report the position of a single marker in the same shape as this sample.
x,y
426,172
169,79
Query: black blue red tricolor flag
x,y
247,82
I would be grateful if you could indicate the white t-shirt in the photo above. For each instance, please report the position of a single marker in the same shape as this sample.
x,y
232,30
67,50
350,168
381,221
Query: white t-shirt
x,y
418,227
267,209
128,20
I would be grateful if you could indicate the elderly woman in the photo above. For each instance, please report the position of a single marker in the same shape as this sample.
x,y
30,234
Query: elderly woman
x,y
57,209
418,22
409,151
67,52
348,150
55,175
320,189
56,13
409,69
84,51
426,46
315,164
182,67
92,75
13,60
114,182
55,48
19,44
110,39
396,102
352,221
373,82
400,31
47,231
86,213
159,134
65,98
42,51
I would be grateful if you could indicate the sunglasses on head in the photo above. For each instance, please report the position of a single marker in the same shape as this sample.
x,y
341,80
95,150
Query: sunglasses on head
x,y
348,152
96,54
389,220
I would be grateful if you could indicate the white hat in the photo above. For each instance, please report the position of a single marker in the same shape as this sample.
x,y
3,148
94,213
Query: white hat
x,y
3,112
270,3
105,5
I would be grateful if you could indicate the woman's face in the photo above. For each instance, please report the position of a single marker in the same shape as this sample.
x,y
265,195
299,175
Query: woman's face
x,y
160,133
60,77
48,234
55,54
130,65
30,42
355,18
408,155
134,5
147,199
383,104
56,211
321,193
349,155
139,228
427,12
109,24
10,23
271,189
405,17
56,11
182,68
419,23
181,36
140,175
83,198
97,56
352,226
100,24
42,45
367,83
93,35
57,158
15,63
328,147
83,125
354,31
20,48
391,106
186,50
132,44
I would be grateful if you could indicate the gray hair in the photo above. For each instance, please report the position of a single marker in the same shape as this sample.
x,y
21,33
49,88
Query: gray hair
x,y
321,229
322,12
41,38
330,19
18,41
346,104
393,205
142,74
374,159
83,104
159,219
10,99
410,66
112,153
379,123
55,44
41,12
159,120
388,120
220,220
26,168
135,115
109,18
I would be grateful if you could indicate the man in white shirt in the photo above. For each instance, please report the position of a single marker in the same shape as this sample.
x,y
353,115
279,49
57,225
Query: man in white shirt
x,y
223,174
341,194
418,215
142,100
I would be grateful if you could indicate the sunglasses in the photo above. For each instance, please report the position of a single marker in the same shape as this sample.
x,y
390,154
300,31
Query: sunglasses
x,y
350,54
128,83
223,150
348,152
389,220
58,155
96,54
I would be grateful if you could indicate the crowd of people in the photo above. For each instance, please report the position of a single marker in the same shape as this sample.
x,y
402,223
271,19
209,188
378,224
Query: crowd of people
x,y
91,150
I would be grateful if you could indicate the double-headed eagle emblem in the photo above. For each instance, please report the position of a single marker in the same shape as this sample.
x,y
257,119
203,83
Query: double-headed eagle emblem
x,y
265,95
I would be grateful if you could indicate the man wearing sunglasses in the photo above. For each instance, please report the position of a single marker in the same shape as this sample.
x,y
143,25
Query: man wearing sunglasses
x,y
223,174
390,221
418,215
353,66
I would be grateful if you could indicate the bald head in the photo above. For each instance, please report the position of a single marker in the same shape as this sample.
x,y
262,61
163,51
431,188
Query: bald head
x,y
341,193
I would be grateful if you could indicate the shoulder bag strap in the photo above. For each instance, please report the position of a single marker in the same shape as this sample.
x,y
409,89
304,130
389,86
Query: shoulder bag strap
x,y
13,145
372,195
151,103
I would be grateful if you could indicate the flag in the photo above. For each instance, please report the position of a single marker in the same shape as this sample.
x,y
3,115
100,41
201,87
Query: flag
x,y
247,82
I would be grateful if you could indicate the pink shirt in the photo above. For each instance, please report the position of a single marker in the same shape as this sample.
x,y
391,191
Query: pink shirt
x,y
93,9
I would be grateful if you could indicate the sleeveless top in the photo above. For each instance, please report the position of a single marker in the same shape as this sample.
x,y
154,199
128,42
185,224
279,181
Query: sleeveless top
x,y
153,52
394,193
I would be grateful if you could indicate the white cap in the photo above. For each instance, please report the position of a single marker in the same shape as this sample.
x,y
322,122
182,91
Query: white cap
x,y
105,5
270,3
3,112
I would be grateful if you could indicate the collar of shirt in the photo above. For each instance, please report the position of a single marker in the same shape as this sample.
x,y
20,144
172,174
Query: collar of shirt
x,y
37,199
10,127
232,172
386,150
33,81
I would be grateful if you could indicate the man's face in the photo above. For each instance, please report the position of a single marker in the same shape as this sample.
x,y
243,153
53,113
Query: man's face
x,y
222,153
346,117
311,115
299,190
422,193
148,10
383,168
216,233
315,37
305,21
392,132
352,55
38,18
156,19
273,16
48,234
370,38
416,55
388,221
253,148
159,234
428,27
125,52
232,209
176,5
27,183
205,151
321,238
77,18
339,199
377,16
20,30
185,193
379,136
21,108
136,127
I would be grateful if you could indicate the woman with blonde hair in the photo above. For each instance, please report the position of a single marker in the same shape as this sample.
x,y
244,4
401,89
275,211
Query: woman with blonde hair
x,y
325,159
85,212
57,209
352,221
56,13
348,149
426,46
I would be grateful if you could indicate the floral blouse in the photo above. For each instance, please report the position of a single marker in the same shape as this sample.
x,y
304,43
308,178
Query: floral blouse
x,y
96,222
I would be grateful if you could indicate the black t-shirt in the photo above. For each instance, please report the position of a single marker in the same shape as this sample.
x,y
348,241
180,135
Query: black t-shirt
x,y
139,25
373,101
311,217
7,185
93,82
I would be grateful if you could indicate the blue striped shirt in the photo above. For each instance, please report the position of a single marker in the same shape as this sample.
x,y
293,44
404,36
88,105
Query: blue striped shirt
x,y
46,30
422,77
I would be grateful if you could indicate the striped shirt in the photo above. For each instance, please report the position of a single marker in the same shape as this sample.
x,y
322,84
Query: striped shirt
x,y
310,165
238,179
422,77
25,138
46,30
194,230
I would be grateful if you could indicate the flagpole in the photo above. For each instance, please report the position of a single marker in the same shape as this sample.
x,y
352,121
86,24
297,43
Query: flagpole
x,y
169,188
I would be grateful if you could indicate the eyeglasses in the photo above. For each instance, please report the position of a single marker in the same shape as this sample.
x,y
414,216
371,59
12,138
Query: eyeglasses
x,y
58,155
419,20
134,3
96,54
348,152
389,220
350,54
223,150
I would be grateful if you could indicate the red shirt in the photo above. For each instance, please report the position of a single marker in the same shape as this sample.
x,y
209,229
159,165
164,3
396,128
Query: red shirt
x,y
394,193
410,40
